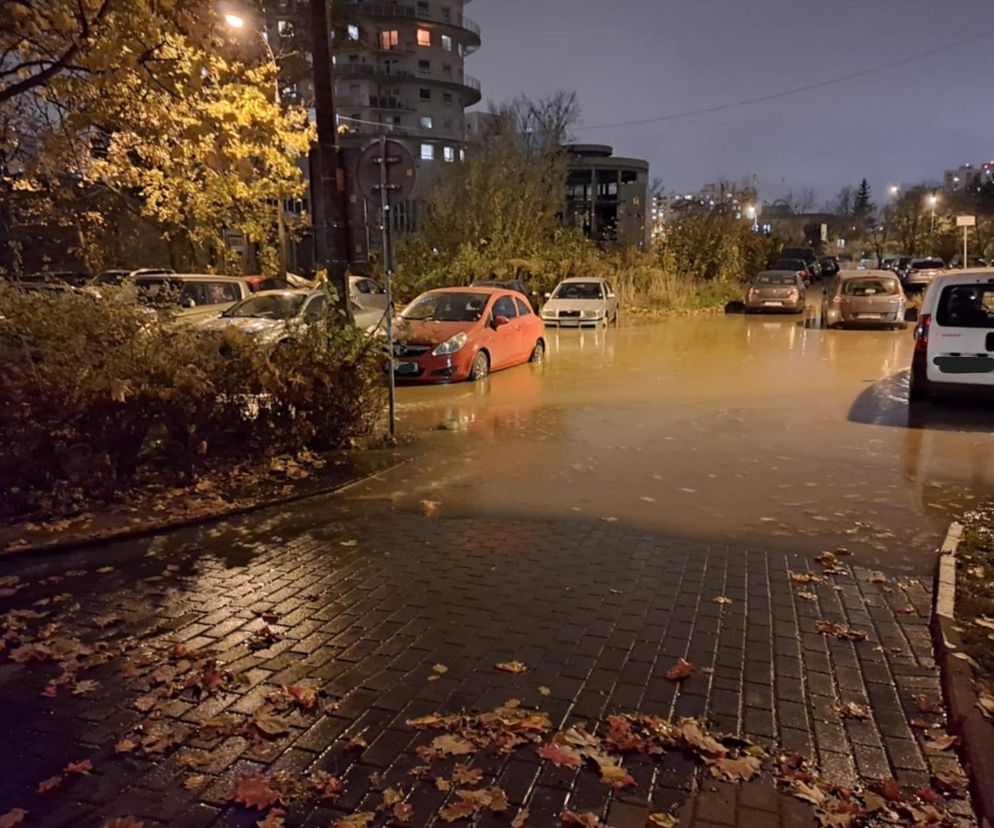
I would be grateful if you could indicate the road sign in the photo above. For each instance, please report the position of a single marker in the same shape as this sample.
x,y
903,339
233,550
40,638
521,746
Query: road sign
x,y
402,171
966,221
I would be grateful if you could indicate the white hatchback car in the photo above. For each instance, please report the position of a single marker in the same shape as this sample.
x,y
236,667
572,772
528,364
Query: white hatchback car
x,y
580,302
954,348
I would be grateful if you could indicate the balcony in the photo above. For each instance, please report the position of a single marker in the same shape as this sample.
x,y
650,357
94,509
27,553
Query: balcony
x,y
399,12
465,84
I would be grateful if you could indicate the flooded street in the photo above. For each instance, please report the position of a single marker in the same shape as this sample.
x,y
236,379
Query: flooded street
x,y
741,430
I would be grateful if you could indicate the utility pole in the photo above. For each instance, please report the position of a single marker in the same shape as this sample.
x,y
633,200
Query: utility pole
x,y
329,196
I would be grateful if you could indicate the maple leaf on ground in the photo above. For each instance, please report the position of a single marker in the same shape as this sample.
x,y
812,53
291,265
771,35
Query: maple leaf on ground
x,y
306,695
12,818
253,791
403,813
691,732
616,776
83,767
49,784
889,789
681,670
940,743
81,688
441,669
807,596
851,710
545,691
430,507
808,793
661,820
125,745
840,631
562,756
735,770
360,820
588,819
465,775
194,781
520,819
274,819
953,782
926,705
269,725
827,560
721,599
31,652
451,745
511,667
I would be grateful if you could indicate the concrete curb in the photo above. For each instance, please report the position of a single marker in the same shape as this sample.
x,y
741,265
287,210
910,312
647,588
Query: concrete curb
x,y
149,530
976,734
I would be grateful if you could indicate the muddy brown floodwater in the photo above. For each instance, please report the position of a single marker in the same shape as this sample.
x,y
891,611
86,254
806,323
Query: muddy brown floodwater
x,y
737,430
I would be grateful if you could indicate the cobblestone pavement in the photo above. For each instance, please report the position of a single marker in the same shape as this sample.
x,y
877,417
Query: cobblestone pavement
x,y
366,608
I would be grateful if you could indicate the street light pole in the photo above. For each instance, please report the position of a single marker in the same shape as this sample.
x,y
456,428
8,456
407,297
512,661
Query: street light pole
x,y
933,199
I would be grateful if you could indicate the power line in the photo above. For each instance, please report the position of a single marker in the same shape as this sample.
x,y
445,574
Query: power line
x,y
796,91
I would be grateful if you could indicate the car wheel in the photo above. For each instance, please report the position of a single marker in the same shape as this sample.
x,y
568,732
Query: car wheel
x,y
481,367
538,352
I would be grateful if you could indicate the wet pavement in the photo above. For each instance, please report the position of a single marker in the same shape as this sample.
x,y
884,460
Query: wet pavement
x,y
737,429
156,667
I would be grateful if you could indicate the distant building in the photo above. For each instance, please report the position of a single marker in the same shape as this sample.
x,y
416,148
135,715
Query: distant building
x,y
398,71
740,202
607,197
967,178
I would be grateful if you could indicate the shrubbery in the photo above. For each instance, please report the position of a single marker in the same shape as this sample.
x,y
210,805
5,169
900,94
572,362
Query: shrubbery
x,y
98,394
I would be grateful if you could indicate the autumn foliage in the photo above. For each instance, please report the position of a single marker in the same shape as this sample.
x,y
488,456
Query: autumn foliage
x,y
98,395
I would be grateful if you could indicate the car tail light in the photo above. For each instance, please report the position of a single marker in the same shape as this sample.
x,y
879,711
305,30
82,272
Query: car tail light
x,y
792,293
921,333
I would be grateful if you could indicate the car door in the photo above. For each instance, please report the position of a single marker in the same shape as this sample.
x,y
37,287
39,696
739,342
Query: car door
x,y
507,338
612,301
961,339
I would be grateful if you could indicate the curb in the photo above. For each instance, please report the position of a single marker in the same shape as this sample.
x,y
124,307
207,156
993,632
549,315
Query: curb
x,y
149,530
976,734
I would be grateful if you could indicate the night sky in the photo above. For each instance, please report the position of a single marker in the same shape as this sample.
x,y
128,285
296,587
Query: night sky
x,y
632,59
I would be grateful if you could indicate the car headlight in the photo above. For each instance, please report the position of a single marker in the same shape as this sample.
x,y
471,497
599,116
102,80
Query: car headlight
x,y
451,346
592,314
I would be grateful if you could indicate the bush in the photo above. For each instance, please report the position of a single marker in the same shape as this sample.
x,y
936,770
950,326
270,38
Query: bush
x,y
97,395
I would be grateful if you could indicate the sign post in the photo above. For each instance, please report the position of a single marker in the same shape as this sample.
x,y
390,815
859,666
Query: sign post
x,y
966,222
386,171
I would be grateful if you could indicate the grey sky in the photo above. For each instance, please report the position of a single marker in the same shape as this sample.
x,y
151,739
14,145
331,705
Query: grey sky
x,y
631,59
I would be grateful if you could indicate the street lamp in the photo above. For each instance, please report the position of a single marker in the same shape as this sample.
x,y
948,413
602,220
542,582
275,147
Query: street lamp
x,y
894,190
933,200
236,23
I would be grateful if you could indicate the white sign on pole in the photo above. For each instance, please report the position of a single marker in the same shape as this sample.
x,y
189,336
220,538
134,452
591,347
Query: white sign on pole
x,y
966,221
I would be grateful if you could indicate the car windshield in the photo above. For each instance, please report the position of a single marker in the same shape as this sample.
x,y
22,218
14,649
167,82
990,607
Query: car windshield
x,y
967,306
775,279
928,264
579,290
870,287
788,264
159,292
446,307
282,306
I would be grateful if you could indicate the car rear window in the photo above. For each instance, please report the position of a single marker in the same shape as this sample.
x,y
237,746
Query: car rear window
x,y
966,306
775,279
870,287
928,264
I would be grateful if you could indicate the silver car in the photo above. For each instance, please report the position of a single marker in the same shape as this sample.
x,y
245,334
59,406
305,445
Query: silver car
x,y
271,316
191,296
870,298
367,293
779,291
921,272
580,302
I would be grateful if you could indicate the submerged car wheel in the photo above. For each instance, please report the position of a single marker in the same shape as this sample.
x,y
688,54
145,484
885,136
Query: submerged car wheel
x,y
481,367
538,353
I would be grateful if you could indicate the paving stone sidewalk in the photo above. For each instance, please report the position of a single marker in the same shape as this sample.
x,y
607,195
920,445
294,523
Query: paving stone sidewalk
x,y
366,608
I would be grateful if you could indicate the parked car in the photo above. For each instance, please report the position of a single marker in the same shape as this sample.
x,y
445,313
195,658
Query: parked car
x,y
123,277
453,334
954,339
271,316
580,302
258,284
901,266
830,266
870,298
806,255
921,272
367,293
511,284
795,266
776,291
191,296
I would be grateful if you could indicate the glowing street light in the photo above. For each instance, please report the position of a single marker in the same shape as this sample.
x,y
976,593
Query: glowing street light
x,y
933,200
234,21
894,190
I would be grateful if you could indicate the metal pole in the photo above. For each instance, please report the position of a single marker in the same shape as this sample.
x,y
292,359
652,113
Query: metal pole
x,y
280,202
965,244
387,274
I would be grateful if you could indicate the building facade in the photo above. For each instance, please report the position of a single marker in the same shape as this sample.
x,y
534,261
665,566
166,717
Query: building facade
x,y
399,71
607,197
968,178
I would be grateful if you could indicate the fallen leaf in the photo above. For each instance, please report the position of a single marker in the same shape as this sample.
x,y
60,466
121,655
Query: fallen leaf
x,y
807,596
430,507
306,695
741,769
125,745
451,745
827,559
403,813
357,743
588,819
511,667
81,688
807,793
520,819
851,710
840,631
360,820
681,670
969,660
49,784
805,577
939,743
927,705
253,791
82,767
562,756
661,820
465,775
31,652
889,789
616,776
878,578
274,819
441,669
985,702
545,691
12,818
953,782
194,781
721,599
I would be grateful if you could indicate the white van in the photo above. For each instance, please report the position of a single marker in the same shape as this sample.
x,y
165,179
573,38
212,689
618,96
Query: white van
x,y
954,348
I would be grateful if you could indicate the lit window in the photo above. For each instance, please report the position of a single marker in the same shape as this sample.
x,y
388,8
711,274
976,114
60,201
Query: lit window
x,y
447,43
427,152
389,39
462,155
449,154
353,32
424,37
285,28
426,122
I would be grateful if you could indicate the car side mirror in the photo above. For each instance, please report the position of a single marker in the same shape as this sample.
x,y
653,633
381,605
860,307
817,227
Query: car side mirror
x,y
501,321
911,315
189,302
610,296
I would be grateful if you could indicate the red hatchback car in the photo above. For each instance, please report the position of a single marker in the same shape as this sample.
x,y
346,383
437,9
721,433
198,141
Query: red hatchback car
x,y
453,334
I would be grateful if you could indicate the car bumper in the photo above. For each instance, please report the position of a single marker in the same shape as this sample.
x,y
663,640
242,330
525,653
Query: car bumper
x,y
855,319
765,306
572,322
428,369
